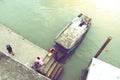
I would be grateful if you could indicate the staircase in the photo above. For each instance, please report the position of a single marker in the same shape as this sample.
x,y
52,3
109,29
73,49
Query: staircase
x,y
52,68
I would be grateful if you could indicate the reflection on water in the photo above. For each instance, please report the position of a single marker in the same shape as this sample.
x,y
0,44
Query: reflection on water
x,y
41,20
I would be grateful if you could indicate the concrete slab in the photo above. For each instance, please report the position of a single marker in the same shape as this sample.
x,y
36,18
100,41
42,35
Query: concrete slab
x,y
22,48
12,70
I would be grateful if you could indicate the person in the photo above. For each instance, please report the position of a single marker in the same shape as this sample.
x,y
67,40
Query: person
x,y
55,53
9,49
37,64
36,67
52,50
39,61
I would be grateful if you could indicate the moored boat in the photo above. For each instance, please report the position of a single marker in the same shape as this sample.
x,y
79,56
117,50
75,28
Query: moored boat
x,y
71,36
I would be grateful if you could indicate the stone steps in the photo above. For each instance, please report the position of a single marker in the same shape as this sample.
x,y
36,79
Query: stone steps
x,y
48,65
52,69
46,60
56,72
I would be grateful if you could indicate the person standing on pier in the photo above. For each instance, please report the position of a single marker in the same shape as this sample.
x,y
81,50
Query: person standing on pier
x,y
9,49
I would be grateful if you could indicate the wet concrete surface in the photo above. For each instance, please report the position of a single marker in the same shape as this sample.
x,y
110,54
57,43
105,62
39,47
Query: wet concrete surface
x,y
25,55
12,70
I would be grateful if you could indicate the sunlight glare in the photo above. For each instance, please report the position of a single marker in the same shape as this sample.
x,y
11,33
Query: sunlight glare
x,y
106,4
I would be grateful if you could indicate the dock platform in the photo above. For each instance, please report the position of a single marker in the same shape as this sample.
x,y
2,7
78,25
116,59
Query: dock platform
x,y
13,70
26,52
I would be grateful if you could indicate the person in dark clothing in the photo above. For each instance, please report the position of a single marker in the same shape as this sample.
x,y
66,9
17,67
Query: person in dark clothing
x,y
9,49
52,50
37,66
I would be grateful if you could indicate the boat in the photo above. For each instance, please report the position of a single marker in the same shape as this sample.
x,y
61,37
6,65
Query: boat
x,y
71,36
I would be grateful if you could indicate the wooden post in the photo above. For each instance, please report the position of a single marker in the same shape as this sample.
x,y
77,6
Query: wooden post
x,y
103,46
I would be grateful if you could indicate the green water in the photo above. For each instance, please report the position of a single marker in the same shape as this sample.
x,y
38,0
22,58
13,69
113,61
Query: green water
x,y
41,20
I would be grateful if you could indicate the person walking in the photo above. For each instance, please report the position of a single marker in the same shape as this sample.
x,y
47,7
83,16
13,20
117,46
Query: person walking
x,y
9,49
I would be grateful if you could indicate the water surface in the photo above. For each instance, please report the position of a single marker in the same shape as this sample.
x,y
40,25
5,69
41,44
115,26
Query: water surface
x,y
41,20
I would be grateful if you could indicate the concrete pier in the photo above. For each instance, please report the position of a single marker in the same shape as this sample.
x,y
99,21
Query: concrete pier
x,y
22,48
13,70
25,51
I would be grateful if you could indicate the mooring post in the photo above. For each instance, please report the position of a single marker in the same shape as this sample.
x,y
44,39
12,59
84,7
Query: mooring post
x,y
103,46
85,72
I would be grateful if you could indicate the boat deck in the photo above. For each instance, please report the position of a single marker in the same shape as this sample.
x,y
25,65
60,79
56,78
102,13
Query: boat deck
x,y
72,32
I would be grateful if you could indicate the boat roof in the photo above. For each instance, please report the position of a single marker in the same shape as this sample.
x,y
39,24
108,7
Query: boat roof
x,y
72,32
100,70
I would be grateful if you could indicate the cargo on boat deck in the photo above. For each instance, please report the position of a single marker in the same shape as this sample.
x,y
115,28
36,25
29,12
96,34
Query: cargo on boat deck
x,y
72,34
